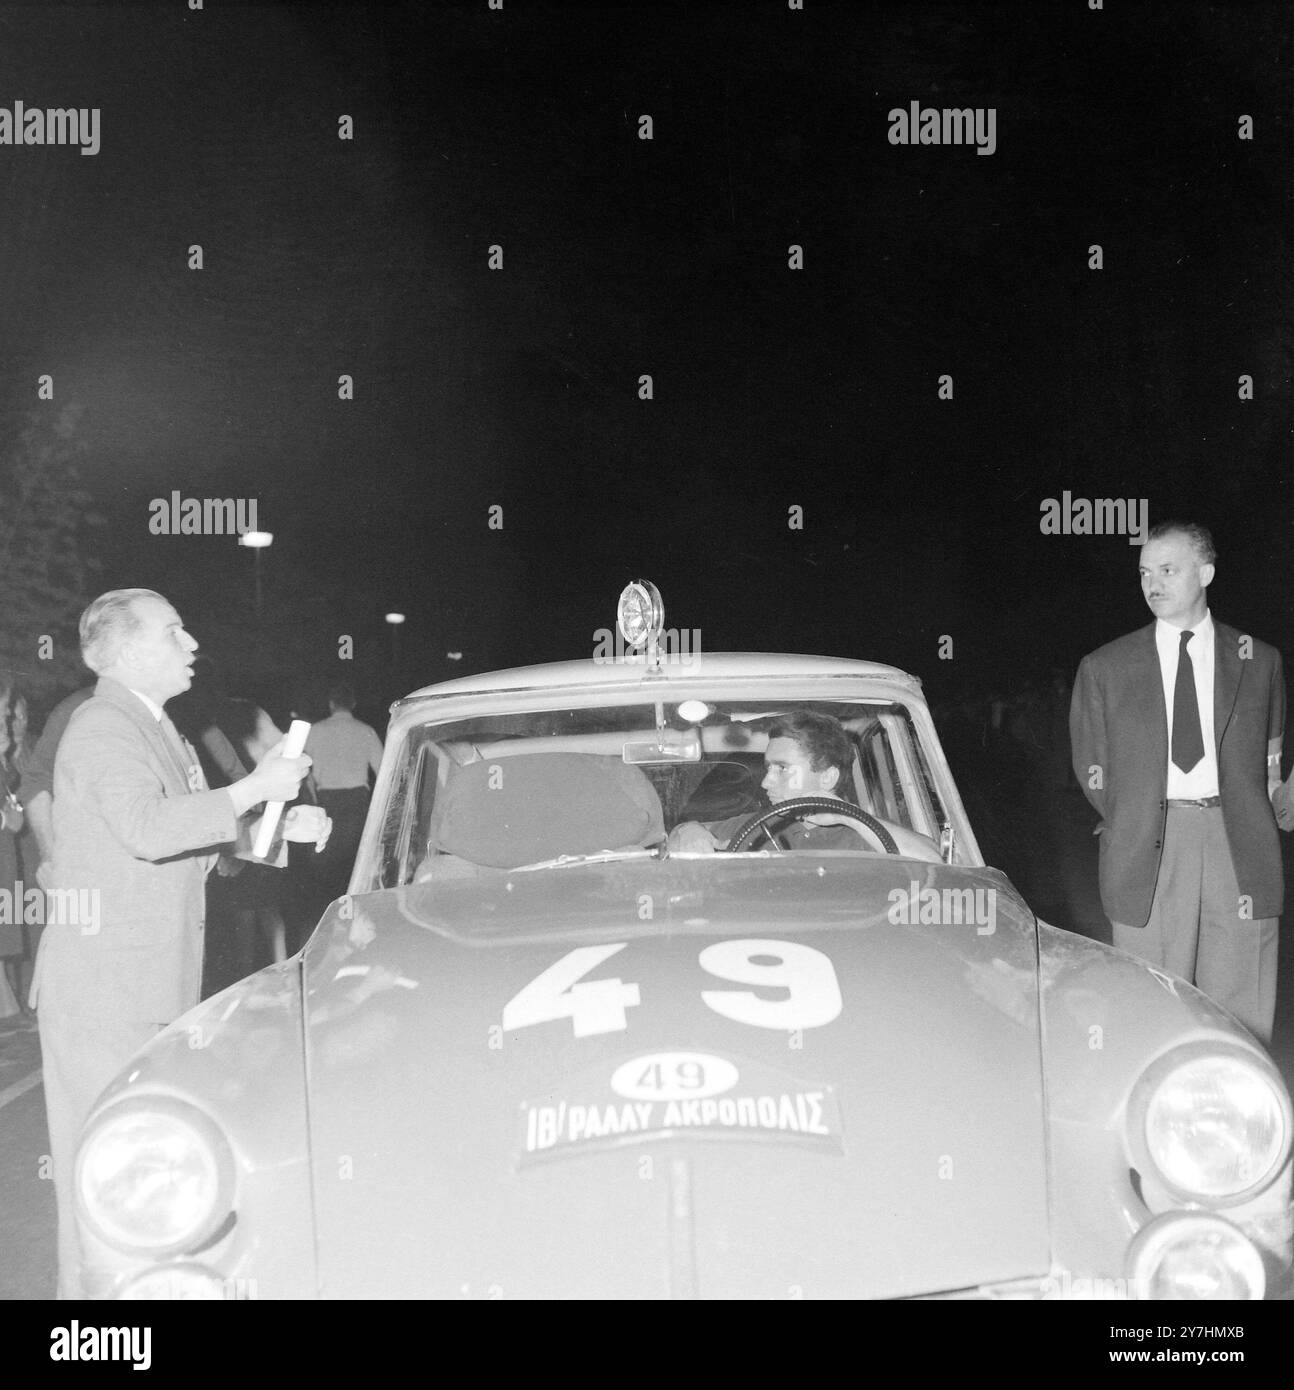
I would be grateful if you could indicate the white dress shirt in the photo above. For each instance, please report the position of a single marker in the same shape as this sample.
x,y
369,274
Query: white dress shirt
x,y
153,707
344,750
1202,780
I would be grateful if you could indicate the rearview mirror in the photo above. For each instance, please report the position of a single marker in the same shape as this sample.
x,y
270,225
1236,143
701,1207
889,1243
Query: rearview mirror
x,y
671,746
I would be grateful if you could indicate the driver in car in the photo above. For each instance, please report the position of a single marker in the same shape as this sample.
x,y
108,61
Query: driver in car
x,y
808,754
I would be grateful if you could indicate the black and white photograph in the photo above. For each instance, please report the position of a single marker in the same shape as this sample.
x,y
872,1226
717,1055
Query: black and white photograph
x,y
641,658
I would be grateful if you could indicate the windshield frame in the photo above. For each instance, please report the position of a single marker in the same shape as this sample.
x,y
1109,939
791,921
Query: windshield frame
x,y
411,715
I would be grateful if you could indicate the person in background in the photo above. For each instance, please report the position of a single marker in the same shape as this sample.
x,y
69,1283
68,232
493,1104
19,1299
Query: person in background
x,y
38,780
249,926
36,846
24,745
245,927
11,893
343,751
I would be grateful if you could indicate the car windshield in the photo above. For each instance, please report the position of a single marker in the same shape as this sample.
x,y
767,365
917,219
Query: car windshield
x,y
550,788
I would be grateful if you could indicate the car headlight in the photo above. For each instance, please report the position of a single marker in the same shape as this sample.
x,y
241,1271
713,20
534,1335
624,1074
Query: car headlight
x,y
1211,1122
185,1282
1194,1255
154,1176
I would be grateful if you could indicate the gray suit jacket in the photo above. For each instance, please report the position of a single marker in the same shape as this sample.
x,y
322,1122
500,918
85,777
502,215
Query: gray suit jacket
x,y
134,841
1118,728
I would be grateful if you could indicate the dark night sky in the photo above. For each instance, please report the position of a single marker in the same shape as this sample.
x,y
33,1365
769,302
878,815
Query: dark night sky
x,y
518,387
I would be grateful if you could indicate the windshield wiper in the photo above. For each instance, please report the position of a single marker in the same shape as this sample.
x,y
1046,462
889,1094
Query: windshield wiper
x,y
605,856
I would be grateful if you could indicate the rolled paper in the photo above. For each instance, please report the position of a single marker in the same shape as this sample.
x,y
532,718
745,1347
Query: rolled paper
x,y
292,746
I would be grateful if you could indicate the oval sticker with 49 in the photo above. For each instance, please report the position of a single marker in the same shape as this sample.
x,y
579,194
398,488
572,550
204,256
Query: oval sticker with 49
x,y
674,1076
599,1006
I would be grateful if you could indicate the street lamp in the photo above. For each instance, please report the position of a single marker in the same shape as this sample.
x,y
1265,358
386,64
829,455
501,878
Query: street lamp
x,y
257,541
394,622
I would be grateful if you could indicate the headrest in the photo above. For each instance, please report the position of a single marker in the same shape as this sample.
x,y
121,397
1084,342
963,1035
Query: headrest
x,y
503,812
727,789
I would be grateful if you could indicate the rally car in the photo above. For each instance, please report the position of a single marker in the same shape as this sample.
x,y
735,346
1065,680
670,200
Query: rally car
x,y
559,1042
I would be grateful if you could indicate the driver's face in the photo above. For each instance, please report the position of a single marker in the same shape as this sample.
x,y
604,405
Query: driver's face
x,y
787,773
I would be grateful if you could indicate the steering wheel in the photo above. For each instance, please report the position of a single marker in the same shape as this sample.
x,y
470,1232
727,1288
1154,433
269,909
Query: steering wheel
x,y
809,806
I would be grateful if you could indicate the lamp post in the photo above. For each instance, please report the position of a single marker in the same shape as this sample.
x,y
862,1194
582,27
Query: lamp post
x,y
256,541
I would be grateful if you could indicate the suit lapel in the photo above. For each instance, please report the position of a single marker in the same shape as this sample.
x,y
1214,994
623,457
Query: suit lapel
x,y
182,755
1227,672
174,773
1147,685
169,761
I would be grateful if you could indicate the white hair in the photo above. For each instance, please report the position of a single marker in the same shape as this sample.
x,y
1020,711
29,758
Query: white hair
x,y
108,622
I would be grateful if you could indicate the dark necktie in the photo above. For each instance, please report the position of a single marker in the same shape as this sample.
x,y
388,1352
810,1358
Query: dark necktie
x,y
1188,740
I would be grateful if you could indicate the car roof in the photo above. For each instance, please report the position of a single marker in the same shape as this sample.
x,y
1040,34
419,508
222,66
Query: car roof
x,y
707,666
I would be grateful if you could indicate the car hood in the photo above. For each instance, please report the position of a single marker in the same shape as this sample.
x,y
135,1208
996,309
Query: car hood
x,y
871,1126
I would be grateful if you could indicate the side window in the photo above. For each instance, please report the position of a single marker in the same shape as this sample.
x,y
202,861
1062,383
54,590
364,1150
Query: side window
x,y
915,789
394,831
425,785
882,777
408,817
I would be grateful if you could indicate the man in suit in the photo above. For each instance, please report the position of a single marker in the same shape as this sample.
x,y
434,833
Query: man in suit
x,y
1176,732
135,833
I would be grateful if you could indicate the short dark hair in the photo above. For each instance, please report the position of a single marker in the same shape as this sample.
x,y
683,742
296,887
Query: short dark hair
x,y
1200,537
824,740
342,694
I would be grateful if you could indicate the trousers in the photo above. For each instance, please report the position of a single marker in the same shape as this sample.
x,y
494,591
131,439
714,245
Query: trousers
x,y
1198,925
79,1058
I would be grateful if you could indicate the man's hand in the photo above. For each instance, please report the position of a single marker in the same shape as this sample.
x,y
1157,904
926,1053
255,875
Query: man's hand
x,y
692,838
279,778
276,778
307,825
227,866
